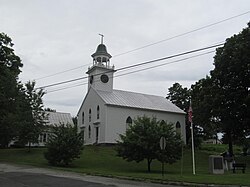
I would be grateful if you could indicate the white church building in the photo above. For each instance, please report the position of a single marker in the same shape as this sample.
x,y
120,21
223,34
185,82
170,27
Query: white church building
x,y
105,112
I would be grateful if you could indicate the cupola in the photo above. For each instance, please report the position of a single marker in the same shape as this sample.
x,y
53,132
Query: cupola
x,y
101,57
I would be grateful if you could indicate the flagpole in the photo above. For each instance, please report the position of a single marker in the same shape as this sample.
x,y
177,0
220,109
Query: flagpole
x,y
192,134
190,116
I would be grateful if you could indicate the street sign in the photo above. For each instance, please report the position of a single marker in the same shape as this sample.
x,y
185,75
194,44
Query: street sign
x,y
163,143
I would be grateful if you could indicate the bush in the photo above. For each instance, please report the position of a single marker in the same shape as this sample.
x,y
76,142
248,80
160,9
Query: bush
x,y
141,142
64,145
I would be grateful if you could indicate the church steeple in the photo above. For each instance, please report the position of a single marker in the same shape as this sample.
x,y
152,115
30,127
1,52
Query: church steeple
x,y
101,73
101,57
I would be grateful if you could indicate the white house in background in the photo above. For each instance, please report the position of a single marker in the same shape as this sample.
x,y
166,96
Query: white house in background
x,y
53,118
105,112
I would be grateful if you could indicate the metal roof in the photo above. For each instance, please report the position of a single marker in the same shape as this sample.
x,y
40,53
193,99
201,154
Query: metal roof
x,y
138,100
57,118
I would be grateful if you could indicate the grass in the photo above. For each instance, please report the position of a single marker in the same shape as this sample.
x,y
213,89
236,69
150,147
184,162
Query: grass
x,y
103,161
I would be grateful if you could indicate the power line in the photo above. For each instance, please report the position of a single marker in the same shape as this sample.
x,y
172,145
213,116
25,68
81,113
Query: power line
x,y
135,65
164,64
59,89
183,34
155,43
136,71
51,75
172,56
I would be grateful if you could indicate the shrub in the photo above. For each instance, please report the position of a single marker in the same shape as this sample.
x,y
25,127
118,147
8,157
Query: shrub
x,y
64,145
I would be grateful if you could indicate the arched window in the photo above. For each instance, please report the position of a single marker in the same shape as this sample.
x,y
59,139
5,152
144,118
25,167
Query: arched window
x,y
104,59
128,122
98,112
89,115
178,127
82,117
89,131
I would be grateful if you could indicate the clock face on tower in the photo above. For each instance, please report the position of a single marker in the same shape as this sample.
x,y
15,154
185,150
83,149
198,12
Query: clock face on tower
x,y
104,78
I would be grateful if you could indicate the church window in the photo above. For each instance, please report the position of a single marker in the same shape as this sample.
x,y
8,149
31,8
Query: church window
x,y
178,127
99,59
104,59
82,117
44,137
163,122
128,122
89,115
98,112
89,131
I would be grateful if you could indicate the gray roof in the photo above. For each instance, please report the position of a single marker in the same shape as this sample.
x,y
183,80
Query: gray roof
x,y
57,118
138,100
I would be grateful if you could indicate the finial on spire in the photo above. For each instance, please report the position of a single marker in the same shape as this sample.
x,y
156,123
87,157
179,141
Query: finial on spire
x,y
101,38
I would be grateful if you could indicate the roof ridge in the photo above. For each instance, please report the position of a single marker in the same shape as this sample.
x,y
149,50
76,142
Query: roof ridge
x,y
140,93
58,112
138,100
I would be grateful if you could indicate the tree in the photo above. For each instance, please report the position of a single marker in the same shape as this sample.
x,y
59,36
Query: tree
x,y
181,97
74,119
34,115
231,83
141,141
10,65
202,104
64,145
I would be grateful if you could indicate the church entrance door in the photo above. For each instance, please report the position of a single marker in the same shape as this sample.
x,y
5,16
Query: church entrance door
x,y
96,134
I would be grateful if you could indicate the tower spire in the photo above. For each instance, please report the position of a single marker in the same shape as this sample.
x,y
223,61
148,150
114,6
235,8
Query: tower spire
x,y
101,38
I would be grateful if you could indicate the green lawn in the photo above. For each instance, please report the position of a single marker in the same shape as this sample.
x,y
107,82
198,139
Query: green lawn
x,y
102,161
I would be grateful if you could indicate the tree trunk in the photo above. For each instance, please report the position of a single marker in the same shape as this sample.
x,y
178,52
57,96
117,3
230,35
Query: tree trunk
x,y
149,164
29,147
230,142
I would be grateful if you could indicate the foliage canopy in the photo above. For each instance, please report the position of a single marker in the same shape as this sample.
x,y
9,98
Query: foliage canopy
x,y
141,141
64,145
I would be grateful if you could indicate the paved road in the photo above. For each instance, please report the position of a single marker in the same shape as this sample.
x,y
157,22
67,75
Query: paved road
x,y
25,176
19,179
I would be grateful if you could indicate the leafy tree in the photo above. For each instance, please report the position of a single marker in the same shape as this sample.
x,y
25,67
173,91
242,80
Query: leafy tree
x,y
202,104
10,65
141,141
231,83
181,97
34,118
64,145
74,119
21,112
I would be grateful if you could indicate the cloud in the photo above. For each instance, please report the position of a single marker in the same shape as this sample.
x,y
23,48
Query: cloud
x,y
54,36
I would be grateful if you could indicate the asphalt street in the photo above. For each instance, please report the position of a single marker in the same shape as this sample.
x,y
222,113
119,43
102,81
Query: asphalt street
x,y
26,176
19,179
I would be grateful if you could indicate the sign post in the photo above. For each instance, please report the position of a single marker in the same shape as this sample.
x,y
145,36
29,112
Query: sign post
x,y
163,144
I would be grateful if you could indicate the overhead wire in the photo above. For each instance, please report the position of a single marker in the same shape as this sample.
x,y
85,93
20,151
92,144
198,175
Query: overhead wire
x,y
51,75
136,71
183,34
134,65
155,43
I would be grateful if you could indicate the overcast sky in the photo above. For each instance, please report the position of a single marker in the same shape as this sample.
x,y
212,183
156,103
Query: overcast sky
x,y
52,36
